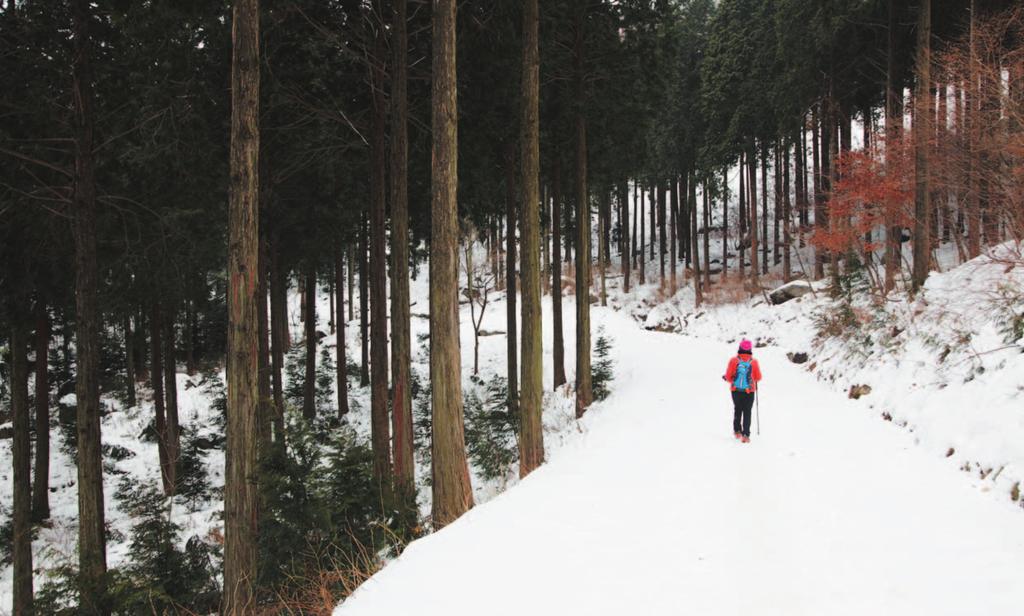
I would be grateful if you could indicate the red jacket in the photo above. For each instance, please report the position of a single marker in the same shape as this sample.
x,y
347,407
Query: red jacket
x,y
755,373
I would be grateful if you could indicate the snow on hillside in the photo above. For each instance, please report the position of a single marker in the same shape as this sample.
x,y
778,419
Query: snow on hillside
x,y
136,457
945,365
655,509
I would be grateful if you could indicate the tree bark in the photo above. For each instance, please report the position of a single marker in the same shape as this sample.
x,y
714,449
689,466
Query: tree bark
x,y
241,482
777,210
627,246
817,138
752,185
21,454
341,364
129,353
41,484
157,379
309,383
452,493
531,434
694,246
364,304
642,246
893,123
662,235
92,558
971,95
707,236
379,428
584,383
922,133
654,220
266,404
511,338
673,208
602,246
352,282
787,269
278,338
764,209
636,216
725,223
556,273
171,392
741,227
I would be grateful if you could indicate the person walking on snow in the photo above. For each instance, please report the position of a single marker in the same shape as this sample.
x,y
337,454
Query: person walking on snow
x,y
743,374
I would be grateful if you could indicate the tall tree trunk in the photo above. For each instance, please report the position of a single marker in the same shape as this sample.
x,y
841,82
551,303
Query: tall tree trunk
x,y
742,217
673,212
765,246
241,483
556,273
401,338
752,185
352,282
942,134
92,556
266,404
602,246
653,213
330,301
787,269
364,304
531,434
21,454
278,337
511,312
725,223
642,246
893,122
684,211
171,392
41,483
379,428
157,379
309,383
341,365
584,382
971,96
922,133
694,247
707,237
816,147
545,238
452,493
777,210
129,352
190,338
627,245
662,236
822,148
636,216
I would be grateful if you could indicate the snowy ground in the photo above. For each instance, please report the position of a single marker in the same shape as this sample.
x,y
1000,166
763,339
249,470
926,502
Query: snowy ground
x,y
655,509
649,506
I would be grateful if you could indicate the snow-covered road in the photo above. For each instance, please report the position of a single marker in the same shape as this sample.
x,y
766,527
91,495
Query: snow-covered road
x,y
656,509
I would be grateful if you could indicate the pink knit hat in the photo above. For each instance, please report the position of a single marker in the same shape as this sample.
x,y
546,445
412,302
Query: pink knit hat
x,y
746,345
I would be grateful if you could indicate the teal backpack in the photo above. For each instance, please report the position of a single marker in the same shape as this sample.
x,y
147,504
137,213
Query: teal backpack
x,y
741,382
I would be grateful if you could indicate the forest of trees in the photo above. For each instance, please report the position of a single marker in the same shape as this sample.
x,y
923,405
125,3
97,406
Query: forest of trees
x,y
170,170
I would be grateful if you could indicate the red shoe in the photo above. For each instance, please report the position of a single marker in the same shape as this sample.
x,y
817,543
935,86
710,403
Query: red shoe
x,y
737,435
744,439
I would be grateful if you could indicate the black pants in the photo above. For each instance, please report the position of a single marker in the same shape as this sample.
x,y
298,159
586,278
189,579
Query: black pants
x,y
742,402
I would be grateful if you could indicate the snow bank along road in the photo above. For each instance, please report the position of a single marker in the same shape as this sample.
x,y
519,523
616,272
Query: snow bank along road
x,y
656,509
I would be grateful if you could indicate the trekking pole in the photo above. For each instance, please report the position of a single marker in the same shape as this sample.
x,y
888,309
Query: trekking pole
x,y
757,402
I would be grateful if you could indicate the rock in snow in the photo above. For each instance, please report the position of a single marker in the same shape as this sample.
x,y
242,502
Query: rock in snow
x,y
662,319
790,290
